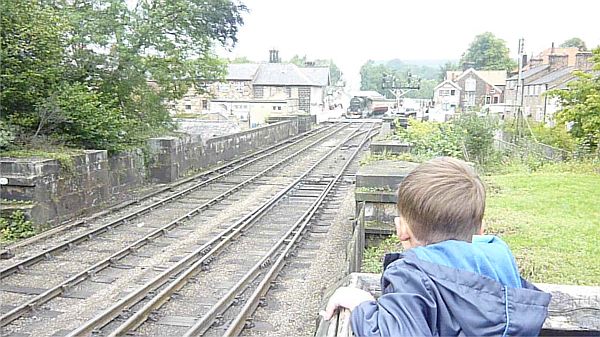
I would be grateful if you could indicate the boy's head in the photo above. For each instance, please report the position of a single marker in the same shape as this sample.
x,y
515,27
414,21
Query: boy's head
x,y
441,199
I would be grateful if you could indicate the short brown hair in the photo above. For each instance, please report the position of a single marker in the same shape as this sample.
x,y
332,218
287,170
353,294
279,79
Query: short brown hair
x,y
442,199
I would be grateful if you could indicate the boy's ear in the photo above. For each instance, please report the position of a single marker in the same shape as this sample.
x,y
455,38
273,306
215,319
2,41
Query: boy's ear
x,y
481,228
402,229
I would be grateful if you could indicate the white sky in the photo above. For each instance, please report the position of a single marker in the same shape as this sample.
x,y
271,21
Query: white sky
x,y
351,32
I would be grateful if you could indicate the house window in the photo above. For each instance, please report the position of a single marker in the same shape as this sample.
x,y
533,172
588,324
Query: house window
x,y
239,87
224,87
470,84
288,91
488,99
188,107
496,99
279,108
259,92
204,104
452,92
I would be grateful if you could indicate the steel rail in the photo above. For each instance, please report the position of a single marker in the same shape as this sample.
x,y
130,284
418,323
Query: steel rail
x,y
123,219
214,246
70,224
78,278
239,322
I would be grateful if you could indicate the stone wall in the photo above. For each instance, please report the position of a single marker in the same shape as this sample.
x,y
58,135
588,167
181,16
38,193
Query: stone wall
x,y
58,191
94,179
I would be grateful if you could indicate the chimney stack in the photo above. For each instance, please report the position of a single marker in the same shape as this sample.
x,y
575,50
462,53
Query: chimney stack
x,y
274,56
583,61
558,61
552,49
535,62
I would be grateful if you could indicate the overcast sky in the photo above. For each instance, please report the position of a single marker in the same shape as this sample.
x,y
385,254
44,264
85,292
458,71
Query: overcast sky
x,y
352,32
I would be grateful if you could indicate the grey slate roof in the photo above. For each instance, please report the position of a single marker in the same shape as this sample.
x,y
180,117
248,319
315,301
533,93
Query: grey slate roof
x,y
553,76
319,75
241,71
278,74
530,72
281,74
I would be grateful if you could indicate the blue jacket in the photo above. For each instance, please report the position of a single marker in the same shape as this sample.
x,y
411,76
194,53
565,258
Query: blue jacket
x,y
453,288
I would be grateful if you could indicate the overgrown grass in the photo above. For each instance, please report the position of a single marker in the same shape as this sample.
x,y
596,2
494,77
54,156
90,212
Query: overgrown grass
x,y
550,217
551,220
373,258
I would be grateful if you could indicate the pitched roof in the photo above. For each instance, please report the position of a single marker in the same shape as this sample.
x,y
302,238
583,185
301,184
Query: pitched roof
x,y
281,74
319,75
553,76
447,82
530,72
241,71
491,77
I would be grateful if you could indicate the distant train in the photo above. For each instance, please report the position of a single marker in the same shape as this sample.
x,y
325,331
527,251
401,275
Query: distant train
x,y
360,107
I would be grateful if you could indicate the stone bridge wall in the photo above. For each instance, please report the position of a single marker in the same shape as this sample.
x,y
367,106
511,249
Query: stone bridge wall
x,y
95,179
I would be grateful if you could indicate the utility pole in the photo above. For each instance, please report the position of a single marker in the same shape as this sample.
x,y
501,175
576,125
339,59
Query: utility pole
x,y
520,85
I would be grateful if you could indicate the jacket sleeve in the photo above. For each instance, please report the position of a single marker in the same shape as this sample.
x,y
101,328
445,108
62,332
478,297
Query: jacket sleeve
x,y
407,307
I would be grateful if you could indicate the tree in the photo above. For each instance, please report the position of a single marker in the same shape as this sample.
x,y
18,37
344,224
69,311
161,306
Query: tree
x,y
242,59
574,42
487,52
125,59
334,71
580,105
448,66
371,76
32,49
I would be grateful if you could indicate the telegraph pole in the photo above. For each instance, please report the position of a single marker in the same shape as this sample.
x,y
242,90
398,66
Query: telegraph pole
x,y
520,85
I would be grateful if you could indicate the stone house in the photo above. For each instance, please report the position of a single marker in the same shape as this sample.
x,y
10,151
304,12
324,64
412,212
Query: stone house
x,y
536,103
252,91
472,89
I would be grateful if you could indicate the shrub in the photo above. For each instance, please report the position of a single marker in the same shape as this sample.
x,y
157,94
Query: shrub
x,y
16,227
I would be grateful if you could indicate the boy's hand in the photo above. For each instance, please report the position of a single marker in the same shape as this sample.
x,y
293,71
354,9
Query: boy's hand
x,y
345,297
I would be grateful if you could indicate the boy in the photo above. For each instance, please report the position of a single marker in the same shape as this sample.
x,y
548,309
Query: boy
x,y
451,280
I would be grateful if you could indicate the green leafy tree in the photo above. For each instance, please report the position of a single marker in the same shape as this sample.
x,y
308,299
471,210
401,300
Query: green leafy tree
x,y
120,59
580,105
32,49
574,42
334,71
487,52
448,66
371,76
242,59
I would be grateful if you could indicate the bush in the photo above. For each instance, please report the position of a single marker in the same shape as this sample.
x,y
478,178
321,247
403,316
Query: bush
x,y
16,227
469,137
6,135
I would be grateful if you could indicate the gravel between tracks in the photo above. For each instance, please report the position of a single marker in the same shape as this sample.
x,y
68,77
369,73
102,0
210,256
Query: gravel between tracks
x,y
292,310
78,313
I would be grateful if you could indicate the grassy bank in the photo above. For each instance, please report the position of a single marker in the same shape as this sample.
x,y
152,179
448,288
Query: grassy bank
x,y
551,220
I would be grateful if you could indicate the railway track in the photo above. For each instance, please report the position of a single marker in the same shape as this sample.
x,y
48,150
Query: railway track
x,y
151,262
